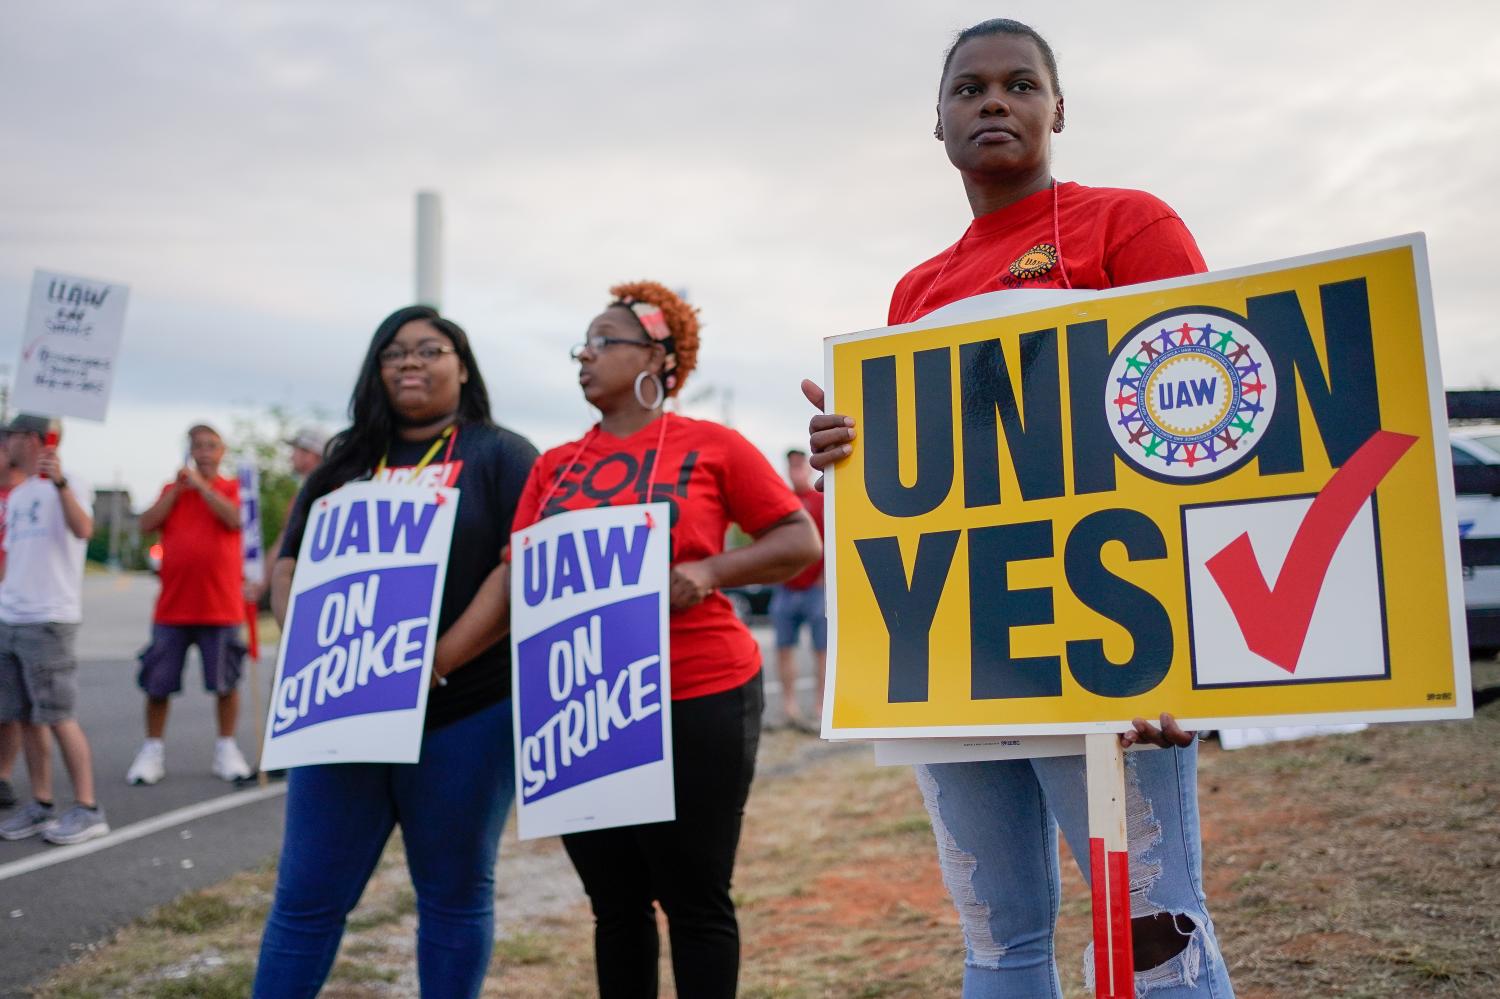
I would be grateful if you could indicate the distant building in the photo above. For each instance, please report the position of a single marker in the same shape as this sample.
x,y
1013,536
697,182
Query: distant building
x,y
117,531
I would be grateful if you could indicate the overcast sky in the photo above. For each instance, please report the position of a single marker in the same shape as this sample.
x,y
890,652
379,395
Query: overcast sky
x,y
249,171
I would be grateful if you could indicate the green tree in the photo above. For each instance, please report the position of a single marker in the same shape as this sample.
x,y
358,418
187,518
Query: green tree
x,y
261,438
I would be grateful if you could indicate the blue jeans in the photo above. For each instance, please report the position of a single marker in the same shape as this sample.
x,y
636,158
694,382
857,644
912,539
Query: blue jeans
x,y
791,609
451,807
996,827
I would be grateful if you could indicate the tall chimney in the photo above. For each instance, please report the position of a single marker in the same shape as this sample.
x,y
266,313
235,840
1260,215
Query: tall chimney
x,y
429,249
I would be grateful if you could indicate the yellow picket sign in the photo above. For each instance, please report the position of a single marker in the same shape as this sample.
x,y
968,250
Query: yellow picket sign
x,y
1227,496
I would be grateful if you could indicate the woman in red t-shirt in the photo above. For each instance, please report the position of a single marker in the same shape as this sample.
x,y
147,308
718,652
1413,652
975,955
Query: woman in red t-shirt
x,y
996,822
635,355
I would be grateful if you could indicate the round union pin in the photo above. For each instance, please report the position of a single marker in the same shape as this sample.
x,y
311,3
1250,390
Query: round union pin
x,y
1190,393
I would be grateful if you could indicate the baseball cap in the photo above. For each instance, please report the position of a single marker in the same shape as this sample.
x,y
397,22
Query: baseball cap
x,y
309,438
30,423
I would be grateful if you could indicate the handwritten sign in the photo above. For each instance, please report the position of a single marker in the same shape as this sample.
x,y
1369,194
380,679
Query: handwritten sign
x,y
590,670
1227,496
356,654
69,345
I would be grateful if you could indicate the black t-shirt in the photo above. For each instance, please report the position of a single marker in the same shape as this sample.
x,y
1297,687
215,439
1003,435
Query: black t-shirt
x,y
489,466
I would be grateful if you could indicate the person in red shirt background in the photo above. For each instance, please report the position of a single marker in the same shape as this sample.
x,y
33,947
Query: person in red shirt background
x,y
798,601
200,603
635,355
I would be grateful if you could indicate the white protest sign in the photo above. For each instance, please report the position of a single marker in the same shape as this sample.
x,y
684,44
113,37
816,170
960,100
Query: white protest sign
x,y
68,347
590,670
250,540
356,651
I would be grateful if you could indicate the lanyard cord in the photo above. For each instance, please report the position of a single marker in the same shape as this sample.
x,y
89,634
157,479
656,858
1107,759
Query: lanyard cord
x,y
953,251
449,434
661,438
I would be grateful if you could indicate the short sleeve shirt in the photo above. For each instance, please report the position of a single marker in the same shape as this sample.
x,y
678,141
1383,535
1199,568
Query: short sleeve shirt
x,y
44,561
711,477
202,560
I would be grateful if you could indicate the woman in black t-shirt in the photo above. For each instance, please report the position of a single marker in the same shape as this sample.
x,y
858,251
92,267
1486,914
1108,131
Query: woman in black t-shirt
x,y
420,413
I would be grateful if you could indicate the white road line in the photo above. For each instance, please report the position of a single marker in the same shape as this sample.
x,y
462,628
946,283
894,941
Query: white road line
x,y
145,827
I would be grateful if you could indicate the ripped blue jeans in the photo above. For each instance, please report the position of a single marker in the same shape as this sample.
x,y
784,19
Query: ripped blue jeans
x,y
996,827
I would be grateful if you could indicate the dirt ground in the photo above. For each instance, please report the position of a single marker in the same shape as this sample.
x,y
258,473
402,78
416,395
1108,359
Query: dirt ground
x,y
1363,865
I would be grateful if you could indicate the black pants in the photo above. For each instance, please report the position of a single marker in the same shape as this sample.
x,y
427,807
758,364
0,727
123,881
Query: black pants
x,y
686,865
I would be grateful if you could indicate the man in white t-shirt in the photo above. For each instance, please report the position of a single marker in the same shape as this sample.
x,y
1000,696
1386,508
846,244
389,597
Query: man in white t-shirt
x,y
47,532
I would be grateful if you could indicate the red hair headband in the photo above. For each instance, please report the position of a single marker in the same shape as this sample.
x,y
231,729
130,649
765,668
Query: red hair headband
x,y
654,322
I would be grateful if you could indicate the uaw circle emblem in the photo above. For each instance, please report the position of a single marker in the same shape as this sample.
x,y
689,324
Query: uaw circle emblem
x,y
1034,262
1190,393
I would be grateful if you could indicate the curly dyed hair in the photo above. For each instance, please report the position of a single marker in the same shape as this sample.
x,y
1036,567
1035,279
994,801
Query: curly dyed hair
x,y
682,320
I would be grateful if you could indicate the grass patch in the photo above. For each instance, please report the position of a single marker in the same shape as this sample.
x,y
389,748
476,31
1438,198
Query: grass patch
x,y
232,981
524,949
357,973
194,914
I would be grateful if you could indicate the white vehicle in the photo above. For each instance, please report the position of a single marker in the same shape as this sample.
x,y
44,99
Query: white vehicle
x,y
1476,470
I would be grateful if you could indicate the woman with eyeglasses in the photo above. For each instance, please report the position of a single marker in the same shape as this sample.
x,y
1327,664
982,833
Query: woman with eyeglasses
x,y
636,354
996,822
420,414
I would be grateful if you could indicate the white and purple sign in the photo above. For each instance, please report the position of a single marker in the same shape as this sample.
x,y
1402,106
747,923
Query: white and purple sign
x,y
69,346
250,541
590,670
356,651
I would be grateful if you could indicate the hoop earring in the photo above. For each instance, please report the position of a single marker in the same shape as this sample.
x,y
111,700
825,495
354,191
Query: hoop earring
x,y
661,392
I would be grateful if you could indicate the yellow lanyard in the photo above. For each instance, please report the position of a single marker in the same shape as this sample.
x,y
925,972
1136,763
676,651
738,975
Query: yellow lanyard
x,y
426,458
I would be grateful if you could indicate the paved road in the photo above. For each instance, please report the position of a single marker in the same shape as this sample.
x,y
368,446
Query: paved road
x,y
51,914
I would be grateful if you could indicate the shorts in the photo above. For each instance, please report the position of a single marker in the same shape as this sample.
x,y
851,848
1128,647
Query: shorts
x,y
162,661
38,673
790,609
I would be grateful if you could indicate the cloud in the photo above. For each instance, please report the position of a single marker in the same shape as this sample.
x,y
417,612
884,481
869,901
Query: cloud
x,y
248,169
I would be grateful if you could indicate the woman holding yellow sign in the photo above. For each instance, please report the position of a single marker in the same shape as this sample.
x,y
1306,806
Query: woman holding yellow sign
x,y
636,354
996,821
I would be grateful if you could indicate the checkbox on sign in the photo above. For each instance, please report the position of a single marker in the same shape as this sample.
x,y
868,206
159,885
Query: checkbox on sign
x,y
1230,615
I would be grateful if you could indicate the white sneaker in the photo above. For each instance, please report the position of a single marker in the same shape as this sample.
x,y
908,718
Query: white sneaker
x,y
150,765
229,762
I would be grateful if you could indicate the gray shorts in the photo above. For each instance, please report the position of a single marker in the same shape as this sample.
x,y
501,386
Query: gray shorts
x,y
38,673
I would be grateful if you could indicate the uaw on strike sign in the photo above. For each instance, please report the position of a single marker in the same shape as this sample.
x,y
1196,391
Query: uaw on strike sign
x,y
1227,496
591,670
356,653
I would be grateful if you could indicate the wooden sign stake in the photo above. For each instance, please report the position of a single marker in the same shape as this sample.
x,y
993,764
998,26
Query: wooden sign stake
x,y
252,623
1109,864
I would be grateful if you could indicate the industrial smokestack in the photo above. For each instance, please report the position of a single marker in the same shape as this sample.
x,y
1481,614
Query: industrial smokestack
x,y
429,249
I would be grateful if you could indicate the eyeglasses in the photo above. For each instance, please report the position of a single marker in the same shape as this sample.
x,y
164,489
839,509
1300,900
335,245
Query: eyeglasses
x,y
598,344
427,353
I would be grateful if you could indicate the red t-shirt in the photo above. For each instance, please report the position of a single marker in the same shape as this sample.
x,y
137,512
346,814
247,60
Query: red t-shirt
x,y
712,476
812,502
202,564
1108,237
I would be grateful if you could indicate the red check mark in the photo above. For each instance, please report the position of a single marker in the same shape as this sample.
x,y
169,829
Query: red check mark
x,y
1275,621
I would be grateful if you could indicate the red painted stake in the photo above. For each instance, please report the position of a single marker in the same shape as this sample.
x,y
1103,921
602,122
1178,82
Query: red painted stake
x,y
1109,869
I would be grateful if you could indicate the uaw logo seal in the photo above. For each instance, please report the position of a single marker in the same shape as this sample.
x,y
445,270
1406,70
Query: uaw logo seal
x,y
1190,394
1034,262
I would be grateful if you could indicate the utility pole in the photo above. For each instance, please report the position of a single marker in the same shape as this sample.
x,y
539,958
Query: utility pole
x,y
429,249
